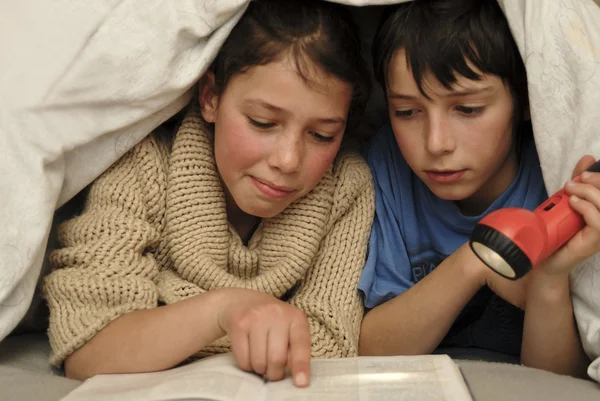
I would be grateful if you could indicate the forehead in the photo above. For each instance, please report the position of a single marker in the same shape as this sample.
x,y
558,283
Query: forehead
x,y
281,82
400,78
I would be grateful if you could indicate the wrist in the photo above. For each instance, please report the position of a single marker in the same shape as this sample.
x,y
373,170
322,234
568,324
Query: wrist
x,y
549,287
229,301
473,268
552,272
216,300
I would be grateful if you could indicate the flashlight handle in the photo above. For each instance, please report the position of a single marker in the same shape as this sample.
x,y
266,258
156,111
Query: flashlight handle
x,y
561,220
513,240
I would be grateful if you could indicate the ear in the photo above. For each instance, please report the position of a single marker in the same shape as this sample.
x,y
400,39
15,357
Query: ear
x,y
208,97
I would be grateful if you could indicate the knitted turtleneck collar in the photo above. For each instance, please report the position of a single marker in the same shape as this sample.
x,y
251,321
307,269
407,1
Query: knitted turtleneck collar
x,y
204,247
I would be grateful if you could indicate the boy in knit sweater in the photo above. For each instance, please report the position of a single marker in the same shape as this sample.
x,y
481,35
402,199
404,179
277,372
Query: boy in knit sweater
x,y
459,147
245,232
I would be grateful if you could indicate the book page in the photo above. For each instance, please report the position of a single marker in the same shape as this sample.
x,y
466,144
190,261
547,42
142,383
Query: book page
x,y
397,378
216,379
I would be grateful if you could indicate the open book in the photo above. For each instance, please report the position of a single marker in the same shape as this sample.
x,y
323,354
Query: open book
x,y
415,378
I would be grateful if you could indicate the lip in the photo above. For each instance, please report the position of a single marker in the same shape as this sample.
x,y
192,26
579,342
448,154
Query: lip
x,y
445,176
271,190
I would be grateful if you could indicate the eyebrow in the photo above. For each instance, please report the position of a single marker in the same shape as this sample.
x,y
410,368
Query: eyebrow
x,y
264,104
333,120
457,93
277,109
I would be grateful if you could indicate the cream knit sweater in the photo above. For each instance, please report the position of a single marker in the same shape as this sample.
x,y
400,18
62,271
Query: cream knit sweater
x,y
154,229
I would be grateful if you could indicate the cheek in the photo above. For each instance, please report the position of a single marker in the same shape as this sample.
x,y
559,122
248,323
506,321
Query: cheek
x,y
316,164
237,147
497,131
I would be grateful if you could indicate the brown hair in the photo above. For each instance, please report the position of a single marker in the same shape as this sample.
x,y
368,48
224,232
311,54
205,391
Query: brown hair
x,y
443,36
310,31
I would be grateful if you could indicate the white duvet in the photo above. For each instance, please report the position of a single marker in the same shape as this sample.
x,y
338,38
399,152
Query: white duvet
x,y
80,84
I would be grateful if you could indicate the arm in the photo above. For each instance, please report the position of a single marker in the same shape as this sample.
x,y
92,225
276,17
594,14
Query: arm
x,y
416,321
160,338
106,271
424,313
328,294
151,339
550,336
407,317
103,297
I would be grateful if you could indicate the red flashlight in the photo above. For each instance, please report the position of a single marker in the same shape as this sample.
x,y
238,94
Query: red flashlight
x,y
512,240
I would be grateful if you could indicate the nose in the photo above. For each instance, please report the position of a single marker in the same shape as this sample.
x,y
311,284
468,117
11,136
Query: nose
x,y
440,138
288,152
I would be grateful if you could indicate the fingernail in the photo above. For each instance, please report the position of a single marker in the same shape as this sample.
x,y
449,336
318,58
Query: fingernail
x,y
570,183
585,175
301,380
574,198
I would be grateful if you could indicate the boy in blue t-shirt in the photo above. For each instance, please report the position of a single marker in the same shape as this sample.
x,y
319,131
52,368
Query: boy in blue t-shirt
x,y
458,147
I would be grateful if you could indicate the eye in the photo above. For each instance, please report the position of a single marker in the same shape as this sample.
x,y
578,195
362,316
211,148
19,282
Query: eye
x,y
260,124
405,113
322,138
470,111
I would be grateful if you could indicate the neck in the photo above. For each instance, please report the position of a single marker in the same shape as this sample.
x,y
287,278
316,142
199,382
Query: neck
x,y
243,223
477,203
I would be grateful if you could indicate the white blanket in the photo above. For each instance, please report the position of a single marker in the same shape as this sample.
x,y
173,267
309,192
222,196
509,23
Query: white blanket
x,y
560,43
81,84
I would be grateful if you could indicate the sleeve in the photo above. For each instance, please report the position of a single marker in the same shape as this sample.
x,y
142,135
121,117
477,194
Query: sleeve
x,y
387,272
105,269
329,294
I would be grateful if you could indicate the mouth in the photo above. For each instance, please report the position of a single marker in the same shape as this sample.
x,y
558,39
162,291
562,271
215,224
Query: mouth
x,y
270,189
445,176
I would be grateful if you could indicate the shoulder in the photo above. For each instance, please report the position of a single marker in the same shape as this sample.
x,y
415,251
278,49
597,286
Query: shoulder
x,y
530,176
392,176
153,148
383,150
382,140
156,146
350,168
352,187
529,155
141,173
530,169
351,175
385,159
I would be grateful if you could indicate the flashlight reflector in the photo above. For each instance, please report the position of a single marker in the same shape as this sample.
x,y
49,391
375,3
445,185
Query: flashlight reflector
x,y
498,252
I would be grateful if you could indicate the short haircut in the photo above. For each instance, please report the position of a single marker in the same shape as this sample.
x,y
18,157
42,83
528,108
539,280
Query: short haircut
x,y
443,36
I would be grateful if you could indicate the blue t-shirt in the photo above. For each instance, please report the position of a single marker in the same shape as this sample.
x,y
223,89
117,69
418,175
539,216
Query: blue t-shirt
x,y
414,231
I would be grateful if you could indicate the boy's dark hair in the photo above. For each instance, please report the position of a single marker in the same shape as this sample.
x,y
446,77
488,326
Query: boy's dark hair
x,y
310,31
441,36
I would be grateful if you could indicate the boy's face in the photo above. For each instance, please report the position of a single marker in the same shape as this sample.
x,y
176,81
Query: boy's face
x,y
459,142
275,134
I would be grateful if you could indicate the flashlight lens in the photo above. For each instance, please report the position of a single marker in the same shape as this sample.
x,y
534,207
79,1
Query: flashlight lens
x,y
493,260
499,252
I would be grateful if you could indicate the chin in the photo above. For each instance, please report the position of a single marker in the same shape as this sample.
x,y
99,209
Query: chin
x,y
451,194
262,211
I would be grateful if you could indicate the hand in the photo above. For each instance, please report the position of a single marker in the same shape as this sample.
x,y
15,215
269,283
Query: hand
x,y
585,199
267,335
513,292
